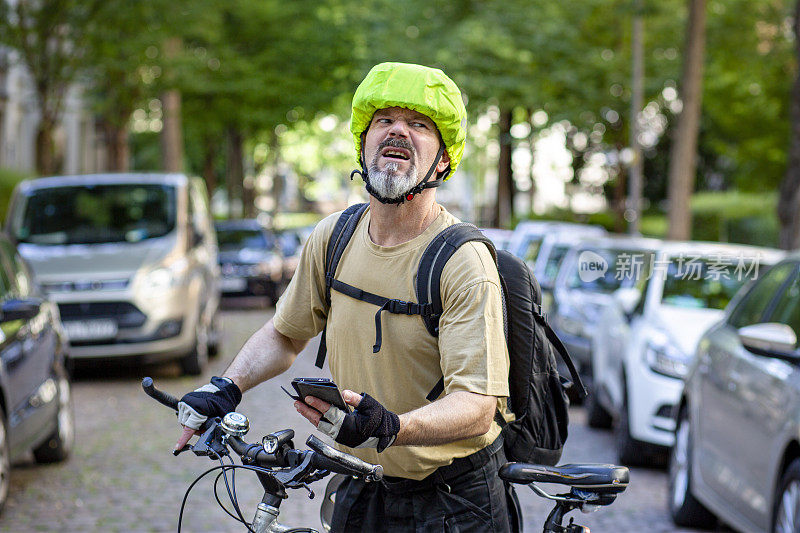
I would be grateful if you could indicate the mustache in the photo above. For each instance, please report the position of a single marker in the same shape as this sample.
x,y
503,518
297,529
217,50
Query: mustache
x,y
396,143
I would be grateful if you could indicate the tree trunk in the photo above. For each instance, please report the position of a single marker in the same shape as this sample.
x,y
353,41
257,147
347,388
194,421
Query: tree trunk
x,y
683,156
235,175
171,134
789,199
209,158
636,173
45,148
117,146
504,206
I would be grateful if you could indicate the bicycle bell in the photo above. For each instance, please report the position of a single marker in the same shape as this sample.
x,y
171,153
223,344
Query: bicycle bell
x,y
235,424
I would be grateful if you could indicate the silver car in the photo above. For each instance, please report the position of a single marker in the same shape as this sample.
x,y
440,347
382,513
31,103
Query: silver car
x,y
130,259
737,439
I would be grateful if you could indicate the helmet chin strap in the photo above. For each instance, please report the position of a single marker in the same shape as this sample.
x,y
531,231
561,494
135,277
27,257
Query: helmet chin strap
x,y
413,191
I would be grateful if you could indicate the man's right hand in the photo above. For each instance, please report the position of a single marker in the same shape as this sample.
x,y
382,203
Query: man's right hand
x,y
217,398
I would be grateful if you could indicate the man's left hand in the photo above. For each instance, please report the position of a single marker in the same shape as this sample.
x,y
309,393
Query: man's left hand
x,y
370,425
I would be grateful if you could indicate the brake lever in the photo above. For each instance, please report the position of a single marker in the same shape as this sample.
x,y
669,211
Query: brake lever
x,y
210,442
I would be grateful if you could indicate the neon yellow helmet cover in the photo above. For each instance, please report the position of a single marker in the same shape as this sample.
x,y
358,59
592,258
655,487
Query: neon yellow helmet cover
x,y
423,89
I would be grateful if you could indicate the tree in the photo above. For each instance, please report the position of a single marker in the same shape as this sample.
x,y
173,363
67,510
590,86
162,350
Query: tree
x,y
683,159
789,198
50,38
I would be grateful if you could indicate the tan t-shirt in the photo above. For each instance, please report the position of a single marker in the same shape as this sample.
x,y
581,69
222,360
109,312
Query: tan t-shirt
x,y
470,351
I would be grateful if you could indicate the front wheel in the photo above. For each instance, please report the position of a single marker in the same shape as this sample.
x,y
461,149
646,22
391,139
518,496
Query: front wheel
x,y
58,446
787,501
630,451
685,510
596,415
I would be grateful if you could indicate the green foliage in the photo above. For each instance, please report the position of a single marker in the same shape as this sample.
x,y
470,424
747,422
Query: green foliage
x,y
8,180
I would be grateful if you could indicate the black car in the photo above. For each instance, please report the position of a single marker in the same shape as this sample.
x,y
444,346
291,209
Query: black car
x,y
35,393
250,259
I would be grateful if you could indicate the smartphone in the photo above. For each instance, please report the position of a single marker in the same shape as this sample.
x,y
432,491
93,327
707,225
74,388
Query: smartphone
x,y
322,388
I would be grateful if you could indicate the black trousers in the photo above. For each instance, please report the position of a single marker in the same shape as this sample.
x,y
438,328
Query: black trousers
x,y
474,501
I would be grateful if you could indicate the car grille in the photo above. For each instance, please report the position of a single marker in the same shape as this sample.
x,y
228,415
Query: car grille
x,y
126,314
97,285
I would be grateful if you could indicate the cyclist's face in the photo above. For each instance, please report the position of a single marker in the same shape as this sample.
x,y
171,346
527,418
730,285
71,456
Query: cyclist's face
x,y
401,138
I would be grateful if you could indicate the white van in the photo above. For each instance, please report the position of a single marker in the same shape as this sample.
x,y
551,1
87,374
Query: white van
x,y
130,259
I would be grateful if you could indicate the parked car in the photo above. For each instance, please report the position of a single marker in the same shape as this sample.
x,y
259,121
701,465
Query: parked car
x,y
737,425
644,345
36,407
291,242
130,259
250,259
500,237
543,244
590,272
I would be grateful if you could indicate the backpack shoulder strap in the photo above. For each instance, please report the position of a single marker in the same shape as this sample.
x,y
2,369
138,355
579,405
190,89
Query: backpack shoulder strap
x,y
429,275
433,261
341,235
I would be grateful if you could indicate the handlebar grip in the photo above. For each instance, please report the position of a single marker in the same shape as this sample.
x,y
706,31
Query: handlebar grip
x,y
341,462
159,396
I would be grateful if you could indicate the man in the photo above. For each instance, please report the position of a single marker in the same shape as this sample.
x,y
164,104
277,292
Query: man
x,y
440,458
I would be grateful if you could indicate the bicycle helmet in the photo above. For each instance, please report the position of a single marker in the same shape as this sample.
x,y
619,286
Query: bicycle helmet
x,y
423,89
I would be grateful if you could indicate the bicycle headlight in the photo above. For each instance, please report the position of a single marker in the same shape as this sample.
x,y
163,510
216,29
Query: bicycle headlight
x,y
665,358
270,443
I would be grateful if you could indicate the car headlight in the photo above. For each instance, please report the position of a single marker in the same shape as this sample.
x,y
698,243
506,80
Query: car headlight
x,y
665,358
165,277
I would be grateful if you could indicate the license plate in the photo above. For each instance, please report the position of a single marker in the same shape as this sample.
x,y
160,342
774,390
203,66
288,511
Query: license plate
x,y
233,284
90,330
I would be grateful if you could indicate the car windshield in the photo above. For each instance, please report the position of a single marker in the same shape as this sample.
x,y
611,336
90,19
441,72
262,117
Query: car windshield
x,y
553,264
705,282
618,268
236,239
92,214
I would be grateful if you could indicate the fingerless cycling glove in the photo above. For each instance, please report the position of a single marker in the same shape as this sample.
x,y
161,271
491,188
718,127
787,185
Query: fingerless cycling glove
x,y
217,398
370,425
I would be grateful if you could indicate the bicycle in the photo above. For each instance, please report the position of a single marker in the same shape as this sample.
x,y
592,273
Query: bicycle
x,y
279,466
276,462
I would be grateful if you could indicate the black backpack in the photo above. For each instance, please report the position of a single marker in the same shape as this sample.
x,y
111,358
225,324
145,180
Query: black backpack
x,y
538,395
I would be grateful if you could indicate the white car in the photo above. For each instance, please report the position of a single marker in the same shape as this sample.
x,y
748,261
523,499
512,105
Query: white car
x,y
586,281
644,344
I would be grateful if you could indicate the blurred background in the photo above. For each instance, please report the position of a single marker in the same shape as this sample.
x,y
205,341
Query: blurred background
x,y
575,107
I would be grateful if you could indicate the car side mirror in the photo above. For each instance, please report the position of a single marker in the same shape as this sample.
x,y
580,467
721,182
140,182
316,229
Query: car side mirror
x,y
769,338
627,298
20,309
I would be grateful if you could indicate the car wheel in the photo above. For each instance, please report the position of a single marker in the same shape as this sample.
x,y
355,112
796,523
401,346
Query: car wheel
x,y
5,461
194,362
787,501
58,445
630,451
213,337
596,415
685,510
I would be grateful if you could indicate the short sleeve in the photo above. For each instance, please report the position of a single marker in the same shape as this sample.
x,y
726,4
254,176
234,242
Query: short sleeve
x,y
474,356
301,311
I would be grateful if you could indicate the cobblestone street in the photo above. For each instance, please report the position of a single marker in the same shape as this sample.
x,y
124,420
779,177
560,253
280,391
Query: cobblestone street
x,y
123,477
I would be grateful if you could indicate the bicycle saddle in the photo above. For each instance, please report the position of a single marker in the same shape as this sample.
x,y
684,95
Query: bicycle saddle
x,y
590,477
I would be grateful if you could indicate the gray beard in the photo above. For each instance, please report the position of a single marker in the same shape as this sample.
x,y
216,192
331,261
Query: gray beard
x,y
388,183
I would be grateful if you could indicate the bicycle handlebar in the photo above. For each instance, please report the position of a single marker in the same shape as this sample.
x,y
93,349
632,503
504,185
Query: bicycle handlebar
x,y
348,464
323,456
160,396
